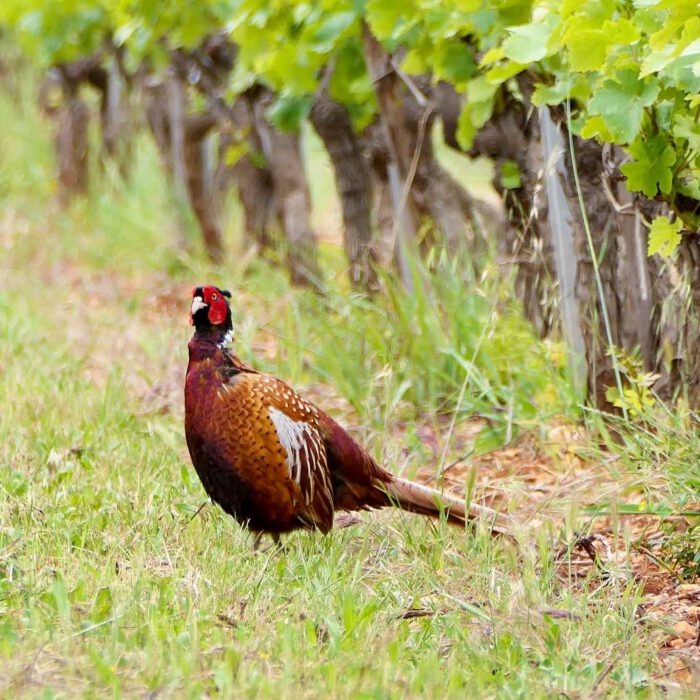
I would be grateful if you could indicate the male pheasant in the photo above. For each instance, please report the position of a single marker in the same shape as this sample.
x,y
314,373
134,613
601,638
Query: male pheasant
x,y
273,460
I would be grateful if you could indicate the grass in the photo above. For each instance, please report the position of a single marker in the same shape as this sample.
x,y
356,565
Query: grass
x,y
108,584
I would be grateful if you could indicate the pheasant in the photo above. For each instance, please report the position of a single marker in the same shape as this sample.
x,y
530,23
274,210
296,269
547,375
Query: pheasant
x,y
272,459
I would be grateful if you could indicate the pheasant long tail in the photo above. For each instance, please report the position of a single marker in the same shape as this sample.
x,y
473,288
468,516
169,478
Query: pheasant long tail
x,y
417,498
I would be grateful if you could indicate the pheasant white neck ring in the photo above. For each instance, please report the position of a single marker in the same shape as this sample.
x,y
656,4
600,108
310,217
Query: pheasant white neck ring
x,y
228,338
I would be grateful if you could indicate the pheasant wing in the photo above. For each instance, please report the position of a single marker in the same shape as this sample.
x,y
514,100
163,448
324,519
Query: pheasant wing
x,y
295,424
360,483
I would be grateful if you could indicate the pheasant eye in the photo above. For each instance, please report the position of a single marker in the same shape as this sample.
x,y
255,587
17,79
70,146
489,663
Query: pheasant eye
x,y
214,296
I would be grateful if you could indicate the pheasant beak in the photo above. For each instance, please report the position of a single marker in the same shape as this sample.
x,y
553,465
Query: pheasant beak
x,y
197,304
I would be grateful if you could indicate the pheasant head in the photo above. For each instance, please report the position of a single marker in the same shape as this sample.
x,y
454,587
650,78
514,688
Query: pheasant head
x,y
210,312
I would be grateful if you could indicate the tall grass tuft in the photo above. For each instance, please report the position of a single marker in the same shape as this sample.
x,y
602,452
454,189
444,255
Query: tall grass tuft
x,y
420,352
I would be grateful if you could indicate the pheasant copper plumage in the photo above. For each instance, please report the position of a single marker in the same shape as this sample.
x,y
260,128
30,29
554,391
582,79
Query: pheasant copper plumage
x,y
273,460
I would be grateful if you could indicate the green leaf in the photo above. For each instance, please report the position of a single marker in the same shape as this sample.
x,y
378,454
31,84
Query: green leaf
x,y
683,74
589,42
681,13
235,151
587,50
510,175
687,128
595,126
415,62
570,85
389,20
288,112
480,90
656,61
473,116
651,171
664,111
491,56
548,94
688,183
527,43
454,62
504,71
258,160
664,236
621,31
621,103
476,111
331,29
466,131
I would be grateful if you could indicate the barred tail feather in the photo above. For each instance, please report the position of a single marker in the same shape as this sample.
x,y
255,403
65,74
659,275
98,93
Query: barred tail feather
x,y
418,498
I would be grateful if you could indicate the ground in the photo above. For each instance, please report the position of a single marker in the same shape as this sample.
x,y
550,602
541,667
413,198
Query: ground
x,y
115,580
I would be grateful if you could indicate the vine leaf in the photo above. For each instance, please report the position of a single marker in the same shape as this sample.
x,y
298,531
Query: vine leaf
x,y
587,49
621,103
326,35
596,126
651,171
664,236
287,112
686,127
476,111
527,43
